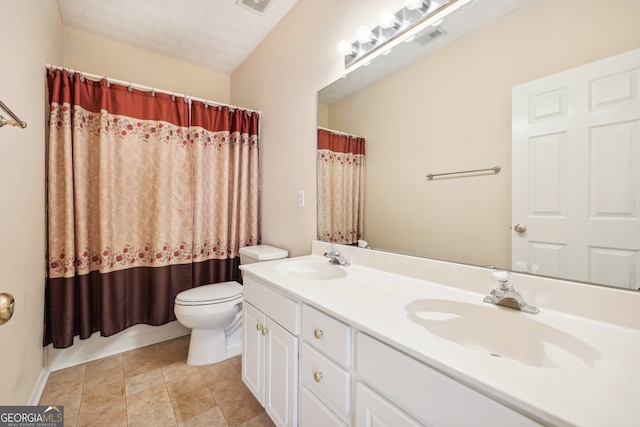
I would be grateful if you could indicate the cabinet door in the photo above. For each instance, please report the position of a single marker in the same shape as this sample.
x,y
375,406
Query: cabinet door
x,y
281,397
374,411
253,350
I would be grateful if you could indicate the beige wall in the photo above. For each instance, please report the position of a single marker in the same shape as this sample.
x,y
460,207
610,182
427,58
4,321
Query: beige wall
x,y
97,55
31,34
281,78
451,111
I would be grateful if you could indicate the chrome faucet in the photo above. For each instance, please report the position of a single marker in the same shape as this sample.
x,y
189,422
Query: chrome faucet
x,y
506,295
335,256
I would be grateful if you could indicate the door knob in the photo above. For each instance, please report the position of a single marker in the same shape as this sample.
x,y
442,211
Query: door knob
x,y
6,307
317,376
318,333
520,228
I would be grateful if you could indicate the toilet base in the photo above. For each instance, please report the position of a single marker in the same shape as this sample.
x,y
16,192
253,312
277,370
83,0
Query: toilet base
x,y
207,346
215,345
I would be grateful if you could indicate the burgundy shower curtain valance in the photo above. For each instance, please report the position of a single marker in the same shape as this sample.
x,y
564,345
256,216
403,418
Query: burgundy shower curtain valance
x,y
130,193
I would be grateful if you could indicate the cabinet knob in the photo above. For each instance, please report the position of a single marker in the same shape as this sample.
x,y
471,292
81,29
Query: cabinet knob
x,y
259,326
318,333
317,376
264,331
7,305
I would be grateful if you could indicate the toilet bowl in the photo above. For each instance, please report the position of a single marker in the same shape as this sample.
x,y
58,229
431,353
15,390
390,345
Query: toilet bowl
x,y
214,313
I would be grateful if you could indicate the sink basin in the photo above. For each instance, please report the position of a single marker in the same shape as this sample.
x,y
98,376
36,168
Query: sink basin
x,y
501,332
311,270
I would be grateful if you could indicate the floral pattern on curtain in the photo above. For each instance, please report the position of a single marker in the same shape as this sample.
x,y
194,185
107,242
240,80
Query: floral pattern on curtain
x,y
341,175
226,183
121,207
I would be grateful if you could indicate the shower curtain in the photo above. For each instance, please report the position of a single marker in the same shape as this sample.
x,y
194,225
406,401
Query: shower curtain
x,y
225,189
341,174
132,190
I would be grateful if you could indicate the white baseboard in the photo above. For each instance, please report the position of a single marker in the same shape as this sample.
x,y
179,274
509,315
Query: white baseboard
x,y
97,347
234,350
38,388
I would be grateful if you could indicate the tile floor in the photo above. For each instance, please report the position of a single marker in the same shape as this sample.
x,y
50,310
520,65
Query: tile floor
x,y
153,386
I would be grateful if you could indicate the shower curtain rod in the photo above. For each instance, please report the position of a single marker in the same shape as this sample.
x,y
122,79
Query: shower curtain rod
x,y
340,133
15,122
149,88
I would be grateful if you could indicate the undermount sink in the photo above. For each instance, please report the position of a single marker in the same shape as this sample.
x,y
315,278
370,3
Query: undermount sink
x,y
501,332
311,270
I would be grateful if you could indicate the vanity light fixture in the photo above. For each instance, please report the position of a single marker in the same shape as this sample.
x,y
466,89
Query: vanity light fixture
x,y
393,29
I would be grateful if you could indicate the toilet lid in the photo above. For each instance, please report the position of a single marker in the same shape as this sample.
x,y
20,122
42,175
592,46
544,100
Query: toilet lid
x,y
211,294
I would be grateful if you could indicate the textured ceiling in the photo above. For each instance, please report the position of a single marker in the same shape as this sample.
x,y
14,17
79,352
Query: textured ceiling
x,y
213,34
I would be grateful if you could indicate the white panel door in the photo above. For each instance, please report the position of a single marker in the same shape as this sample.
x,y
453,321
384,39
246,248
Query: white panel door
x,y
281,369
576,172
253,351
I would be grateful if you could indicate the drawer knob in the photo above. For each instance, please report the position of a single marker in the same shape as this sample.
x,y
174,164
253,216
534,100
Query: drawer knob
x,y
259,326
318,333
264,331
317,376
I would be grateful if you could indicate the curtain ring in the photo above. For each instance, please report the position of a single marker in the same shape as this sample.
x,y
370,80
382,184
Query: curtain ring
x,y
153,92
173,97
129,88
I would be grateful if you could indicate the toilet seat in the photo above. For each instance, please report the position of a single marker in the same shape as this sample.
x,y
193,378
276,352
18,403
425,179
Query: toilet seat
x,y
216,293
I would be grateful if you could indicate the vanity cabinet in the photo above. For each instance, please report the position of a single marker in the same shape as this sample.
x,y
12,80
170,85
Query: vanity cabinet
x,y
270,350
309,368
428,395
325,377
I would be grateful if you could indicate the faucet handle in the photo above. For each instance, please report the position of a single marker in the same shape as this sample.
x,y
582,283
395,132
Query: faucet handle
x,y
502,277
331,250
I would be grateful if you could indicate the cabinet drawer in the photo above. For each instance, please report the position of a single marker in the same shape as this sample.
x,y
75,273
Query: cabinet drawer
x,y
425,393
373,410
275,305
314,413
326,379
329,335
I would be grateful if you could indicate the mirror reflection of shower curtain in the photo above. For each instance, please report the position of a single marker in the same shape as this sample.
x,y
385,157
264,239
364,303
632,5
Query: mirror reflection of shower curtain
x,y
341,174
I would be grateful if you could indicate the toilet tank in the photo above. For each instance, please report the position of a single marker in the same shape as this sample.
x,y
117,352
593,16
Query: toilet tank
x,y
251,254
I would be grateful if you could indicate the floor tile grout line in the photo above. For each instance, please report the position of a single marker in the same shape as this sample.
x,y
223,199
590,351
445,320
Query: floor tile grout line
x,y
177,347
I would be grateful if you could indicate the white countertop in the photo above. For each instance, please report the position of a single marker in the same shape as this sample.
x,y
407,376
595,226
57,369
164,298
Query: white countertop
x,y
604,394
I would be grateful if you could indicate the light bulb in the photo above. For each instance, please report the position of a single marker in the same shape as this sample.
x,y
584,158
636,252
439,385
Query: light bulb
x,y
417,4
363,34
345,48
386,18
412,4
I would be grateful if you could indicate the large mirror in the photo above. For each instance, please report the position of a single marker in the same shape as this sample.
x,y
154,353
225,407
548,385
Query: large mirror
x,y
451,110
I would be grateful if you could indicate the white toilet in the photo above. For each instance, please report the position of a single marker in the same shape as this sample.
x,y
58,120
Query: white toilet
x,y
214,312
